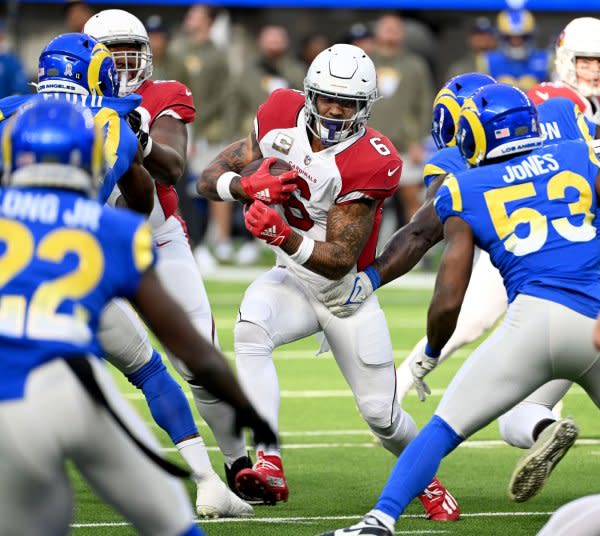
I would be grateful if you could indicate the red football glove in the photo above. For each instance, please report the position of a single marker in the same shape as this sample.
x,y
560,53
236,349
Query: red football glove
x,y
271,189
267,224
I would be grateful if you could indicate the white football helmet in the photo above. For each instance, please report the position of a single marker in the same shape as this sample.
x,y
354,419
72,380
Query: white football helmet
x,y
580,38
345,72
115,27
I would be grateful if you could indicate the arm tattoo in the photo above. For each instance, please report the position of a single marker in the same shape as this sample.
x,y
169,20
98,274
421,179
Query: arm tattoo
x,y
233,158
348,228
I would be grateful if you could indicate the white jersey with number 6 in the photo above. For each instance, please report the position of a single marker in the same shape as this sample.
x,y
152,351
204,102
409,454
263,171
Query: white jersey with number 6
x,y
366,166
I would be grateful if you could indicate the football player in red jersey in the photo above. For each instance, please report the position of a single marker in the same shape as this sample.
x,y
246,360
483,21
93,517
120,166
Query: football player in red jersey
x,y
578,68
161,126
322,230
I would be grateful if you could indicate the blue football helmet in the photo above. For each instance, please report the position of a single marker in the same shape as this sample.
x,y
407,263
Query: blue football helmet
x,y
447,103
498,120
53,143
77,63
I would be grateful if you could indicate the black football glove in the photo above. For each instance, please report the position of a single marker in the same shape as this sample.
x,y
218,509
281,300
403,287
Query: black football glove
x,y
262,433
134,119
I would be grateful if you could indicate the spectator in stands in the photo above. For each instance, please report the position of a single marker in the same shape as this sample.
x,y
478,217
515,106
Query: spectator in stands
x,y
77,13
13,79
208,77
361,35
311,45
404,110
272,69
165,65
517,61
482,38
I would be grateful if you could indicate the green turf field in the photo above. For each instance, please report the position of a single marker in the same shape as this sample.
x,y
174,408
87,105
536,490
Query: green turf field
x,y
334,468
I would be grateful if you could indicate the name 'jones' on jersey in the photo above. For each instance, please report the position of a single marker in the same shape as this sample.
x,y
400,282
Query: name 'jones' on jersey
x,y
537,217
366,165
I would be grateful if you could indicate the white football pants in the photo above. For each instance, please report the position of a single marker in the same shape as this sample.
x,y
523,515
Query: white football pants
x,y
278,309
580,517
485,302
538,341
126,343
58,421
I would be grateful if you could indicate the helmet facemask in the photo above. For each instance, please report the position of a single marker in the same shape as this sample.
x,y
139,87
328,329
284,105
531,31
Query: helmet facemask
x,y
579,39
134,64
332,130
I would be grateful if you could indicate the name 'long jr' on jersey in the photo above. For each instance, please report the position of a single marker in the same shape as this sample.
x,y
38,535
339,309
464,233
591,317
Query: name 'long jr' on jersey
x,y
56,246
364,166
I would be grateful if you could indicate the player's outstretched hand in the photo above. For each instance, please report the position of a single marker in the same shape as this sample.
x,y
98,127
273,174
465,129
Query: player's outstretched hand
x,y
344,296
262,433
267,224
270,189
420,366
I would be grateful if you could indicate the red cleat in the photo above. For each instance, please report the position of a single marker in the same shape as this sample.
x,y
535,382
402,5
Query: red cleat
x,y
439,504
265,481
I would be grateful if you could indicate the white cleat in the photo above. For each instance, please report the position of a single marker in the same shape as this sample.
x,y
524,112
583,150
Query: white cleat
x,y
214,499
534,468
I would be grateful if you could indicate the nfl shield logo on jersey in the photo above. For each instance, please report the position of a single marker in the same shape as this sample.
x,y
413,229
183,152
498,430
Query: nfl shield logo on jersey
x,y
307,160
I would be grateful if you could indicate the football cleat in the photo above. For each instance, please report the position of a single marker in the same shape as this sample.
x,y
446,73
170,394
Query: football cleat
x,y
265,481
439,504
534,468
369,526
243,462
214,499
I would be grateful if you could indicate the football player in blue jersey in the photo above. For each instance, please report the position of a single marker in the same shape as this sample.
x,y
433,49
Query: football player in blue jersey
x,y
533,208
486,300
76,67
516,61
64,256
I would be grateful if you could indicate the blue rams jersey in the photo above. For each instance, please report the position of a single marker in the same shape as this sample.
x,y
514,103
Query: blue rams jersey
x,y
63,256
560,119
523,74
120,143
536,216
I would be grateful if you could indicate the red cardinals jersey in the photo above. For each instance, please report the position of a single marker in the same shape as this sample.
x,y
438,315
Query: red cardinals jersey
x,y
364,166
550,90
165,97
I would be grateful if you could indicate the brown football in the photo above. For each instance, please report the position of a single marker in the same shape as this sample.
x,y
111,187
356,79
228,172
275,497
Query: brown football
x,y
277,168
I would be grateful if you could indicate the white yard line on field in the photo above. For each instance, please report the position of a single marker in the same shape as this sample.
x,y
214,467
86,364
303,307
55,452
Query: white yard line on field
x,y
312,519
471,444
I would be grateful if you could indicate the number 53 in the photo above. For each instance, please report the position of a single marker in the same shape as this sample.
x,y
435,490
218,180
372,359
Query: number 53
x,y
505,224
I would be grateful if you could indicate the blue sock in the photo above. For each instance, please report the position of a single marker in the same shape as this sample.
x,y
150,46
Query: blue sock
x,y
165,398
417,465
193,530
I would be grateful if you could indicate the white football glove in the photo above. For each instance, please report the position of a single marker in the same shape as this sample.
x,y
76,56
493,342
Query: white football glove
x,y
344,296
420,366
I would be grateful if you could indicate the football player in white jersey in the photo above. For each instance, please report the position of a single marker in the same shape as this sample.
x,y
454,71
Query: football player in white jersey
x,y
577,65
161,126
322,230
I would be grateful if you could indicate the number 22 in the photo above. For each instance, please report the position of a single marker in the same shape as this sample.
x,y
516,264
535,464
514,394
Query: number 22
x,y
39,318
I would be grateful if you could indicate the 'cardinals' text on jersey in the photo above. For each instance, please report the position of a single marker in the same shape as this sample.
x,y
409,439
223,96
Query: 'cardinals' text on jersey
x,y
365,166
